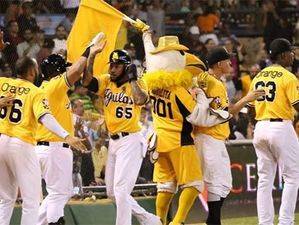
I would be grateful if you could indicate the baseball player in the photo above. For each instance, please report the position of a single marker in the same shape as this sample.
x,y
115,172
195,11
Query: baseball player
x,y
123,98
275,140
210,141
55,156
18,123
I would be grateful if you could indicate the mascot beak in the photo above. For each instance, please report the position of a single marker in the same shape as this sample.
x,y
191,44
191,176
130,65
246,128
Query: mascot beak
x,y
194,65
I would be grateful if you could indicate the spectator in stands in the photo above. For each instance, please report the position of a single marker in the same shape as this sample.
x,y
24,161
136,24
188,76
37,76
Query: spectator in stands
x,y
46,50
209,44
12,36
12,12
141,12
270,22
264,60
239,125
191,40
297,30
156,18
81,130
81,93
207,24
130,48
28,47
185,6
233,47
67,22
40,6
40,37
70,4
196,7
26,20
231,88
60,40
6,70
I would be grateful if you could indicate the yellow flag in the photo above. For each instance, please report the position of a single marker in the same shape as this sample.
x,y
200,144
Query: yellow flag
x,y
94,16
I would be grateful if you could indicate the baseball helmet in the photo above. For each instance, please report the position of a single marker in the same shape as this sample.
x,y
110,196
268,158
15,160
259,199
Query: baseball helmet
x,y
53,65
120,56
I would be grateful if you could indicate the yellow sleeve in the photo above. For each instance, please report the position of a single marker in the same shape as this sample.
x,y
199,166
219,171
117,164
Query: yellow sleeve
x,y
40,104
292,89
57,85
103,81
185,98
217,90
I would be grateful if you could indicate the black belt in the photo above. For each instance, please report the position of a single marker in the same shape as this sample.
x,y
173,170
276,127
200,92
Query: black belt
x,y
46,143
119,135
276,120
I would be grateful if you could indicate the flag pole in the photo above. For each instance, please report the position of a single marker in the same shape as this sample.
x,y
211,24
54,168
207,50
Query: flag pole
x,y
128,19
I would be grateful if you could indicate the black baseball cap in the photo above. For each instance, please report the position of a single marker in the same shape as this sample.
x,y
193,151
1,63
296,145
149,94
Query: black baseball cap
x,y
278,46
216,55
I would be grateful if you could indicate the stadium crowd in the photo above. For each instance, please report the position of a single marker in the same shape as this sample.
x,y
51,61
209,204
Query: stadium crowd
x,y
205,23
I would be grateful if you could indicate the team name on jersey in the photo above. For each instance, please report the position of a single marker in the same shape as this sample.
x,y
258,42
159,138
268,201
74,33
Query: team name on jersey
x,y
162,93
270,73
6,87
118,97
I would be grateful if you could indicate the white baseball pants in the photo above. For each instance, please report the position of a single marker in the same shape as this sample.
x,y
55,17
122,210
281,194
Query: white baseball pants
x,y
18,168
125,156
56,164
276,143
215,164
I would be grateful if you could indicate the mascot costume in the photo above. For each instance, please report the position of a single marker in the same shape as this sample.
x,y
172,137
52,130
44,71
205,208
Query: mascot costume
x,y
170,74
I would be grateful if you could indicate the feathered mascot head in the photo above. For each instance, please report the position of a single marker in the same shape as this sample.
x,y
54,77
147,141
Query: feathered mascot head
x,y
169,64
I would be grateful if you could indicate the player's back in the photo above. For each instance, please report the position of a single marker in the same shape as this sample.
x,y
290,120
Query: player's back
x,y
281,89
20,120
170,109
56,93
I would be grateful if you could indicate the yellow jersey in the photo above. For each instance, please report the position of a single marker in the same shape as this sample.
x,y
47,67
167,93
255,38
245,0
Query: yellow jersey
x,y
215,89
170,109
21,119
120,112
56,92
282,91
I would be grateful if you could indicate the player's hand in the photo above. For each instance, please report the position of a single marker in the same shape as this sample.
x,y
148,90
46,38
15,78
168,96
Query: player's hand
x,y
6,101
131,72
141,26
98,43
253,95
76,143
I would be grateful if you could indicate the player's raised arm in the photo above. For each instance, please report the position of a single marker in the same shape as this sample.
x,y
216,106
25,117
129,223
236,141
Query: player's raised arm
x,y
140,96
97,45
